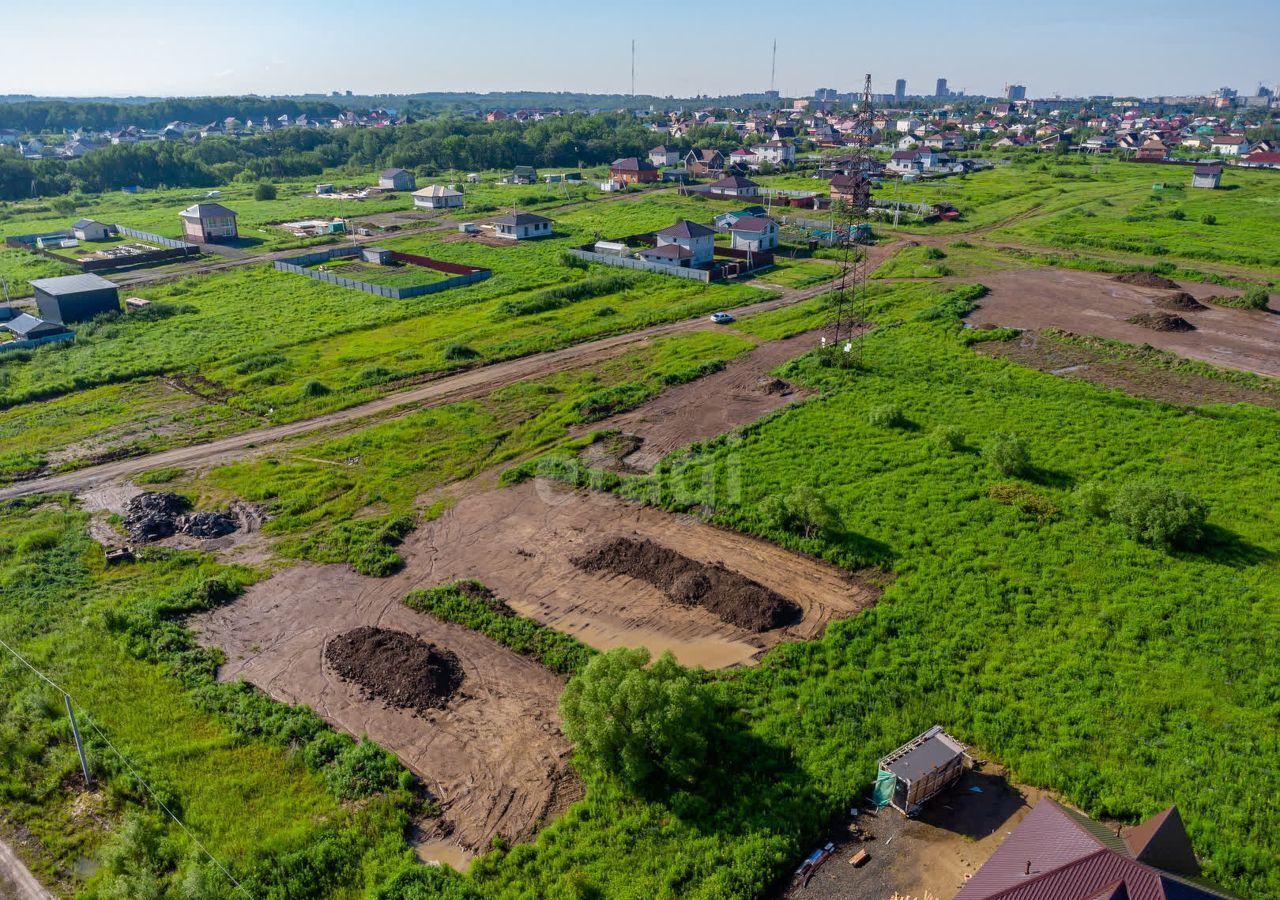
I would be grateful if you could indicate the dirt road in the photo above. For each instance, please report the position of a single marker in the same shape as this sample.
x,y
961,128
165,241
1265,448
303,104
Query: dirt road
x,y
445,389
16,880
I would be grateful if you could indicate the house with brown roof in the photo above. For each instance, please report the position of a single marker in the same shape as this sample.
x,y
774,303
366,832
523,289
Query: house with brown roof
x,y
1056,853
208,222
852,189
664,156
1229,144
1152,149
698,240
633,170
734,186
704,161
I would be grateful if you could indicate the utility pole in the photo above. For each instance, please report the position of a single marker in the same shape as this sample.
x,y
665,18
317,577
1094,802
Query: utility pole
x,y
75,733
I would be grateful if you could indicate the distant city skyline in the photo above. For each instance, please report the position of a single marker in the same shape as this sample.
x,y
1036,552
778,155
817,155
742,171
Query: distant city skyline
x,y
129,48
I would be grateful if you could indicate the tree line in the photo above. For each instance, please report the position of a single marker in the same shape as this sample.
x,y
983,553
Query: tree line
x,y
435,145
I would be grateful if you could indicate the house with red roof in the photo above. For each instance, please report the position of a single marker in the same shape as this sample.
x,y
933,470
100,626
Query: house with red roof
x,y
1056,853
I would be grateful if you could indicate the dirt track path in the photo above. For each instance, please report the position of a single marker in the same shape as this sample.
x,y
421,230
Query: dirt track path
x,y
16,880
445,389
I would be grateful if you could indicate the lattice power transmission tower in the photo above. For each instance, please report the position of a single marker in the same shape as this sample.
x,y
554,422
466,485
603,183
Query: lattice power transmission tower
x,y
853,273
866,96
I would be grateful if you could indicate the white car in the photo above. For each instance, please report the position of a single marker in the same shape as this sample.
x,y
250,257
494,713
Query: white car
x,y
722,318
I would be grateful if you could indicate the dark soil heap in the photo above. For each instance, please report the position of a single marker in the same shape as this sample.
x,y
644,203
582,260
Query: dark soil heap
x,y
149,517
732,597
1181,301
1161,322
395,667
1146,279
773,386
208,524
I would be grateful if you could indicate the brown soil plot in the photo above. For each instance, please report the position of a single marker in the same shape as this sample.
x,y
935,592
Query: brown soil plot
x,y
737,395
493,755
1089,303
522,541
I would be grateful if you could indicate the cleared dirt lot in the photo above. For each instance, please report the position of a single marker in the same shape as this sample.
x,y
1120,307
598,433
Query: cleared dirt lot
x,y
1131,374
494,756
701,409
930,855
520,542
1092,303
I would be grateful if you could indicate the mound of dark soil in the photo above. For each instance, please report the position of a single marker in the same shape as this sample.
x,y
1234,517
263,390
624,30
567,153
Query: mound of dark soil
x,y
395,667
1161,322
1146,279
774,386
151,516
208,524
1181,301
733,598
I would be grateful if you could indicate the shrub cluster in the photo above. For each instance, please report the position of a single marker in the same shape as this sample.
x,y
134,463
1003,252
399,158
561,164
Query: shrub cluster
x,y
558,297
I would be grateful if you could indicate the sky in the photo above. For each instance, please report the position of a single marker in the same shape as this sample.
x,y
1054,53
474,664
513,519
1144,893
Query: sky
x,y
218,47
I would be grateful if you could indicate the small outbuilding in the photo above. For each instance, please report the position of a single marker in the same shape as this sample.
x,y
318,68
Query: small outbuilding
x,y
1206,177
75,298
33,329
918,770
522,226
89,230
396,180
437,196
376,255
206,223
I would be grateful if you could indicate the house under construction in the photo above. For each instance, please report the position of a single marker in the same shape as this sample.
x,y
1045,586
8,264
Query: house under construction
x,y
918,770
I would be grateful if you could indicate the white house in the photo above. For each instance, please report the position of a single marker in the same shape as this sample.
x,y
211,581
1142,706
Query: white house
x,y
754,233
1230,144
699,240
778,153
904,162
906,126
735,186
521,227
437,196
664,156
89,230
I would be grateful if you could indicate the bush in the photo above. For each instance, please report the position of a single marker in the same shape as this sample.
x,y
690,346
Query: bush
x,y
948,437
1177,215
559,297
1208,219
314,388
646,725
1159,515
1253,298
571,261
264,191
1024,500
458,352
1007,454
933,253
803,511
158,476
1093,499
886,416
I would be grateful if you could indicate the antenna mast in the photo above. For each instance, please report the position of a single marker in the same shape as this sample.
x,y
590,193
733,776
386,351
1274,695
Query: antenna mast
x,y
633,67
773,67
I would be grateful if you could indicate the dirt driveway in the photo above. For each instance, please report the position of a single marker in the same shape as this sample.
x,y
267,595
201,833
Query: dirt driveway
x,y
1092,303
932,855
494,757
519,541
737,395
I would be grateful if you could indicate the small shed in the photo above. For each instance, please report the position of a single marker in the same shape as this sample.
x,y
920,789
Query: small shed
x,y
377,255
396,180
89,230
918,770
324,189
75,298
1206,177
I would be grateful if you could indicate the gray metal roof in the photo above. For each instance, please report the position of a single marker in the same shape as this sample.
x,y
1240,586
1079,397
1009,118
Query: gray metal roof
x,y
72,284
26,325
206,211
521,219
932,750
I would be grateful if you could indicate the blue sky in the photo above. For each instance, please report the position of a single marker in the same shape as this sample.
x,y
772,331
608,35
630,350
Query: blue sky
x,y
74,47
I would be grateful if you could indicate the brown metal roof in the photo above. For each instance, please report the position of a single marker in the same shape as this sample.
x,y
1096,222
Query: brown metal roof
x,y
1162,841
686,229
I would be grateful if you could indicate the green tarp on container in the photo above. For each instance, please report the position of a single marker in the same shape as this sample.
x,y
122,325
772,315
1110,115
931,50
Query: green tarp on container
x,y
882,793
